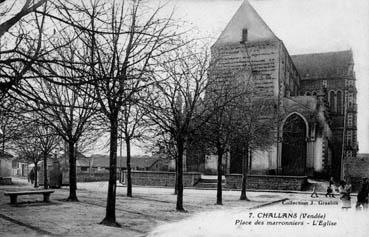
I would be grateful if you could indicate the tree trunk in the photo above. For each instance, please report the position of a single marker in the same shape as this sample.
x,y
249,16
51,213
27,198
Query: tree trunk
x,y
220,173
129,178
72,173
180,149
244,173
110,219
36,185
176,176
3,143
46,185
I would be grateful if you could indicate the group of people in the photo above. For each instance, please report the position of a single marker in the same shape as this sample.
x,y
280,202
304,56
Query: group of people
x,y
329,189
344,189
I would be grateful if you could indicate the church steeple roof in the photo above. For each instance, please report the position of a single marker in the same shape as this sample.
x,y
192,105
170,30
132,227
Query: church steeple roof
x,y
245,18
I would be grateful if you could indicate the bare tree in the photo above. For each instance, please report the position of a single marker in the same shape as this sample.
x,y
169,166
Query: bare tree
x,y
29,151
68,112
10,123
48,140
28,147
220,121
177,101
161,144
60,103
255,129
122,40
20,40
241,118
8,6
133,126
37,142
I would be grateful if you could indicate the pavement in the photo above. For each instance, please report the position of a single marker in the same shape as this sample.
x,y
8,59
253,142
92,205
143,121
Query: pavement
x,y
146,213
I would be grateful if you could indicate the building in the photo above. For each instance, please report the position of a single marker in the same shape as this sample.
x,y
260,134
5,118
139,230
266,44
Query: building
x,y
6,164
12,166
333,71
314,94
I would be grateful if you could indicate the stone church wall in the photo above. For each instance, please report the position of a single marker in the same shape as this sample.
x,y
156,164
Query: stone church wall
x,y
259,58
289,77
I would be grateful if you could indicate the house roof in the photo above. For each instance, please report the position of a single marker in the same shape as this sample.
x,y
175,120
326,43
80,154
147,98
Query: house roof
x,y
136,161
6,155
83,162
305,102
363,155
245,17
323,65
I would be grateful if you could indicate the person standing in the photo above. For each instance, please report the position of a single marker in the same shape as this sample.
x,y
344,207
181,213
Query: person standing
x,y
329,192
362,196
314,193
345,192
330,188
32,176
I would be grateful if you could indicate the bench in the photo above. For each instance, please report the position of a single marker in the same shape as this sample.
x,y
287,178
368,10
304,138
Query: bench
x,y
13,195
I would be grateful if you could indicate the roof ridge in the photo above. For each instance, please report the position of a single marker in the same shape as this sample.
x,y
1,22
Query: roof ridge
x,y
322,53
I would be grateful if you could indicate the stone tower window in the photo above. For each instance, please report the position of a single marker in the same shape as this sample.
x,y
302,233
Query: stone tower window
x,y
339,102
351,99
325,84
354,137
349,137
332,99
244,35
349,119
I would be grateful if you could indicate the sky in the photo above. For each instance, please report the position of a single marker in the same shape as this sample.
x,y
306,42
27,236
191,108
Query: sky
x,y
305,26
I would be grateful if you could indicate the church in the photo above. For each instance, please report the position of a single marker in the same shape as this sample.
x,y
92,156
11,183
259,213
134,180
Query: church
x,y
315,94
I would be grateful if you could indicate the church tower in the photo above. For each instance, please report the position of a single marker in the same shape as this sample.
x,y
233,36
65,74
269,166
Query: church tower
x,y
247,49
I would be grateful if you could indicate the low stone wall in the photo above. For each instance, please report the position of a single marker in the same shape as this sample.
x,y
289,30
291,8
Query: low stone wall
x,y
159,178
355,169
93,177
270,182
5,181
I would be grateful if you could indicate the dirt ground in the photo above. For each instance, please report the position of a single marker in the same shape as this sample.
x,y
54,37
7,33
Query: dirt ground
x,y
147,210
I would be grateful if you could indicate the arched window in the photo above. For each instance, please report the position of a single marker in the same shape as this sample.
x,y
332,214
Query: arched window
x,y
332,98
307,93
314,93
339,102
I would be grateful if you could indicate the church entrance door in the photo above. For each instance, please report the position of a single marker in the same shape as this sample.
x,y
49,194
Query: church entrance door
x,y
294,146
